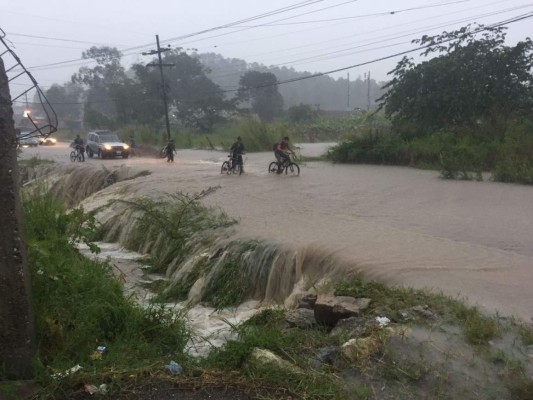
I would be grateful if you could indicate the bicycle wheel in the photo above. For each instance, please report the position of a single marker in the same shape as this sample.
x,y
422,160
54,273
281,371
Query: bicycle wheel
x,y
273,167
73,156
225,169
292,169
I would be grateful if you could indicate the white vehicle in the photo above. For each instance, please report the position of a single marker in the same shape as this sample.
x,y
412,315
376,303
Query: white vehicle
x,y
106,144
26,139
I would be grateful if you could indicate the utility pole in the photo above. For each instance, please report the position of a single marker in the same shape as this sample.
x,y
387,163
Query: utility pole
x,y
163,88
348,92
368,93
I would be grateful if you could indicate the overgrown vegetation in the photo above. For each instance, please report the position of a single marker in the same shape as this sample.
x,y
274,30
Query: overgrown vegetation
x,y
164,227
465,111
79,304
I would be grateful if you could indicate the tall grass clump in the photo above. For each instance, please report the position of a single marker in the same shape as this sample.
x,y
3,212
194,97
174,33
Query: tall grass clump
x,y
515,157
267,330
79,303
168,228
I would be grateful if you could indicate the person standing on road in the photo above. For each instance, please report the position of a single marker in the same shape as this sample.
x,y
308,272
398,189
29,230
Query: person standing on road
x,y
78,145
170,149
236,151
133,145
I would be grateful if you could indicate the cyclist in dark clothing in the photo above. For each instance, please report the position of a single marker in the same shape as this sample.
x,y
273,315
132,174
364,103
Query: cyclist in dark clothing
x,y
78,145
281,150
236,152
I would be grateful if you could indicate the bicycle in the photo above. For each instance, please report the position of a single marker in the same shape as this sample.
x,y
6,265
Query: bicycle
x,y
288,165
233,165
77,155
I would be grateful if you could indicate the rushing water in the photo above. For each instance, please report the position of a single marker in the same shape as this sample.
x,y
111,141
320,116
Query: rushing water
x,y
401,225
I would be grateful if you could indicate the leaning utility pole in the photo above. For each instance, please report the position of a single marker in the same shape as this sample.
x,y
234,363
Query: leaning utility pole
x,y
17,347
163,88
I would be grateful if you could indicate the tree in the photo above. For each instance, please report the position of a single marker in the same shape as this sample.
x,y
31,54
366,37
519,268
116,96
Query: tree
x,y
67,103
197,102
471,83
261,90
100,80
302,113
16,320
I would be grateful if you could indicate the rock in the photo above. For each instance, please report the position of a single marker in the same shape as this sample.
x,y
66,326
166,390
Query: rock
x,y
261,358
325,355
301,318
359,350
308,301
422,312
350,327
330,309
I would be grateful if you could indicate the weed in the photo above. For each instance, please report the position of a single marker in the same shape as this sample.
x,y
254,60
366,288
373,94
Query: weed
x,y
164,228
526,333
34,162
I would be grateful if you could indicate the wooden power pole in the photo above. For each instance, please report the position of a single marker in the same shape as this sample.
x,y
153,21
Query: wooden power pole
x,y
17,343
163,87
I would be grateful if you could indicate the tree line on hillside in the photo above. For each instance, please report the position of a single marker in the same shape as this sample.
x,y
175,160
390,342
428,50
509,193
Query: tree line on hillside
x,y
107,95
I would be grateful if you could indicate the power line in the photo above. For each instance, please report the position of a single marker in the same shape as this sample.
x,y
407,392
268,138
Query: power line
x,y
385,38
379,14
312,76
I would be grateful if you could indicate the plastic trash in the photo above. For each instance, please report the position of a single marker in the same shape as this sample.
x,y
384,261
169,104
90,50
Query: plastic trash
x,y
382,321
174,368
93,389
67,372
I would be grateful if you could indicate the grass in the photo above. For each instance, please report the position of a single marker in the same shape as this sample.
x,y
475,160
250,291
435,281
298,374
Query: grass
x,y
265,330
164,228
34,162
79,304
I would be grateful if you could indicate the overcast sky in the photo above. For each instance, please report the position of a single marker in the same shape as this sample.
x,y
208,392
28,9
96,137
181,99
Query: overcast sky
x,y
315,35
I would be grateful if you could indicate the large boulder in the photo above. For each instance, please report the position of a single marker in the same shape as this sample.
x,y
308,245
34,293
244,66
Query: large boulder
x,y
330,309
359,350
302,318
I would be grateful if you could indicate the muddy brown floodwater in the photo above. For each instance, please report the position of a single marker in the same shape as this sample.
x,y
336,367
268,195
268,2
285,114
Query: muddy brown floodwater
x,y
404,226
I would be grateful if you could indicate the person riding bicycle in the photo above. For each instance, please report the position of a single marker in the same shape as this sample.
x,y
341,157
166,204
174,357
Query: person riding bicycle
x,y
281,151
236,151
78,145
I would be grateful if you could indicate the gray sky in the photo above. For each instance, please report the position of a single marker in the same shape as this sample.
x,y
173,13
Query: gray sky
x,y
318,36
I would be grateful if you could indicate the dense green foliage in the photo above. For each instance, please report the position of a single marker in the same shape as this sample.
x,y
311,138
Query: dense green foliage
x,y
479,84
79,304
465,111
260,89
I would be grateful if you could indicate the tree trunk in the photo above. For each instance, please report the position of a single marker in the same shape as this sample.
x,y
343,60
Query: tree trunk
x,y
17,346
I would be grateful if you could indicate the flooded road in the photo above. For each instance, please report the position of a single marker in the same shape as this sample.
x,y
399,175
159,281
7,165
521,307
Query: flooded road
x,y
404,226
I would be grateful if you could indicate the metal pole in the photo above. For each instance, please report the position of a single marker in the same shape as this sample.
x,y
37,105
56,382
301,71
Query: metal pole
x,y
163,86
368,93
348,92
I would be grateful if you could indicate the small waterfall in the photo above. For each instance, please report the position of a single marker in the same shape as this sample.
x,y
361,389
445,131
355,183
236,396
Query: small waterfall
x,y
74,183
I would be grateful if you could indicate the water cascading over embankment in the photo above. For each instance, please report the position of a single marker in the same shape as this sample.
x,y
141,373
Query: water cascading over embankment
x,y
192,245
